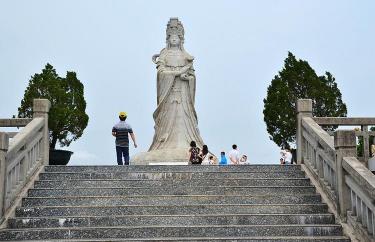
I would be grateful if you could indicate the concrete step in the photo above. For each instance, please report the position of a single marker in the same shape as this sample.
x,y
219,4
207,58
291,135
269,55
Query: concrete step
x,y
168,175
171,190
172,231
171,210
169,200
226,239
155,183
170,168
175,220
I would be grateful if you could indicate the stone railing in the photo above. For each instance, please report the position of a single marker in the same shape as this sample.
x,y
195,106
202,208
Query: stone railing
x,y
364,133
22,155
332,161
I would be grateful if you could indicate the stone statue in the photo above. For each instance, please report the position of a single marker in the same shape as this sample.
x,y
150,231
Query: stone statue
x,y
176,123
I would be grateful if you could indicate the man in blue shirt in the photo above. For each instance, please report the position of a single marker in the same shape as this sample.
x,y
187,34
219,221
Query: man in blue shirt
x,y
121,131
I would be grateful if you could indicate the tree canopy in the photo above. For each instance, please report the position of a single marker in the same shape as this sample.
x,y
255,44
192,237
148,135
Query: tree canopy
x,y
297,80
67,116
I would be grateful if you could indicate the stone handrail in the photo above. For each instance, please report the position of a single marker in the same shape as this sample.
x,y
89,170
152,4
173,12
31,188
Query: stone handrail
x,y
319,156
364,133
23,155
332,162
361,184
14,122
329,121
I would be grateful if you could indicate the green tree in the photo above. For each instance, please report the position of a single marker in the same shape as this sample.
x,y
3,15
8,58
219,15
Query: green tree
x,y
67,116
295,81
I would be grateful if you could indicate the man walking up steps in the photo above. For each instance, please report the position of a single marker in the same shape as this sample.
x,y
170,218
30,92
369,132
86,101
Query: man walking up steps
x,y
121,131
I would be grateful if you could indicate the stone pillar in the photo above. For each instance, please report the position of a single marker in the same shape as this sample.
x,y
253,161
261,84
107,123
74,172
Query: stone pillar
x,y
366,145
304,109
41,108
345,146
4,145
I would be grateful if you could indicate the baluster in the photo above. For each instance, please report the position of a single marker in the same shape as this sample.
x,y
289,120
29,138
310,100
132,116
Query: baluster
x,y
314,158
17,174
334,179
325,170
364,210
24,167
373,223
320,167
359,207
32,157
9,187
353,200
331,180
369,221
13,180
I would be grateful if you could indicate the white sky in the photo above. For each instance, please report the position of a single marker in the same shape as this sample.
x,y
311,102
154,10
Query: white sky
x,y
239,46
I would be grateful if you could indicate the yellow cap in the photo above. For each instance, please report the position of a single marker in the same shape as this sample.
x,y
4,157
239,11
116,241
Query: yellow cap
x,y
122,114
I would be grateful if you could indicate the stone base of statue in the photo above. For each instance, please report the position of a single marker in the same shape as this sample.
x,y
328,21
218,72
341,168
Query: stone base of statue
x,y
161,157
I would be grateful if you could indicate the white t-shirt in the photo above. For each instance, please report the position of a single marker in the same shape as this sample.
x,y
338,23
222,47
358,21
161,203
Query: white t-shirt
x,y
234,155
288,157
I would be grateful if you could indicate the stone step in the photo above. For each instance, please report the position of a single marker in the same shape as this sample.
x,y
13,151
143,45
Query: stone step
x,y
169,200
174,220
172,231
171,190
231,239
171,210
168,175
154,183
169,168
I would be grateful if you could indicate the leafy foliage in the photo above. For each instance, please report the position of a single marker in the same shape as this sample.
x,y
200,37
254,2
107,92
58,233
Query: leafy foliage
x,y
297,80
67,116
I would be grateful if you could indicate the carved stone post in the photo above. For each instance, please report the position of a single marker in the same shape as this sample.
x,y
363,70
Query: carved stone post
x,y
304,109
345,145
366,145
40,109
4,145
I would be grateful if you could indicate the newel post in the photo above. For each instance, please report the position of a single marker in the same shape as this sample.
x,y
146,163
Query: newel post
x,y
304,109
4,145
345,146
41,108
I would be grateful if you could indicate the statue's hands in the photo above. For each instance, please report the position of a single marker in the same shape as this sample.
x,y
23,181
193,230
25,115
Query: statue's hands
x,y
184,76
184,69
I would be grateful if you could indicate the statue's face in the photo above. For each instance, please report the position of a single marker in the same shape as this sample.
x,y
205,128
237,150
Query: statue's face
x,y
174,40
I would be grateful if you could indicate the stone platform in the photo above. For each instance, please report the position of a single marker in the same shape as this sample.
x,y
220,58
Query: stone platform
x,y
161,157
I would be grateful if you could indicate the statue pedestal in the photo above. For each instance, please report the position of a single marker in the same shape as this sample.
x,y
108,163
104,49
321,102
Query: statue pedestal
x,y
161,157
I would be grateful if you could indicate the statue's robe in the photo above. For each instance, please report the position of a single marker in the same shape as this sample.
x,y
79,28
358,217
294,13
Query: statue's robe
x,y
176,123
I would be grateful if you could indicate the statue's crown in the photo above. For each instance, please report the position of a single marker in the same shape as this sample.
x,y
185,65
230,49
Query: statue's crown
x,y
174,26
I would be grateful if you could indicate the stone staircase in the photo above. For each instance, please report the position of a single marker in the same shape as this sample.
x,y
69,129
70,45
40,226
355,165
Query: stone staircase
x,y
173,203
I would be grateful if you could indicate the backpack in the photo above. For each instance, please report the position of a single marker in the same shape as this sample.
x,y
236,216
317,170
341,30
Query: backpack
x,y
194,157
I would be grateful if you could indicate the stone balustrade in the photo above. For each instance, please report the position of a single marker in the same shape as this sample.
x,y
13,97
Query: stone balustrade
x,y
333,163
24,154
363,133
